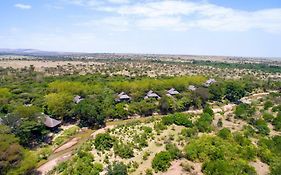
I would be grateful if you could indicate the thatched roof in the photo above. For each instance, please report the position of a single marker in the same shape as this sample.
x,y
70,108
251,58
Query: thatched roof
x,y
123,97
191,88
172,91
151,94
50,122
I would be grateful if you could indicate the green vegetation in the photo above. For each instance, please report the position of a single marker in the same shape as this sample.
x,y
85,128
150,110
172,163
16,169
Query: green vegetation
x,y
123,150
221,156
177,119
162,161
26,99
104,142
117,168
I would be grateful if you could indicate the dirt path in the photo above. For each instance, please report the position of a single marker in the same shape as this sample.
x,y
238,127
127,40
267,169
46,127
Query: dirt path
x,y
64,152
69,144
45,168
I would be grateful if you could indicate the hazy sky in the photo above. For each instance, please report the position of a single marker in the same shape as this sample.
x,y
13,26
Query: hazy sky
x,y
209,27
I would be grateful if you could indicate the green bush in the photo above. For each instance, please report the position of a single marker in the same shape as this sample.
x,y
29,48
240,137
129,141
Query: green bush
x,y
244,111
161,161
175,153
123,150
189,132
117,168
208,110
224,133
262,127
267,105
276,108
277,123
204,123
104,141
223,167
268,117
178,119
148,172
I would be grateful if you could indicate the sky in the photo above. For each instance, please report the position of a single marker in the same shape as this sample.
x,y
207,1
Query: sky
x,y
196,27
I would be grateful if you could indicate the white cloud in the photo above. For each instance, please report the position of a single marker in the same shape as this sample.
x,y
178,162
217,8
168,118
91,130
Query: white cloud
x,y
183,15
186,14
173,23
112,23
119,1
23,6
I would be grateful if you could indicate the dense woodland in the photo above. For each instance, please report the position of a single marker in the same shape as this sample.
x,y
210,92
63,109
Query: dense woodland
x,y
26,98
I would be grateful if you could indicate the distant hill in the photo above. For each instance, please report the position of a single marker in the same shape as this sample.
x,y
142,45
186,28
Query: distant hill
x,y
32,52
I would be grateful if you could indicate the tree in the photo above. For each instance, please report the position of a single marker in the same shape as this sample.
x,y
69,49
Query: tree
x,y
90,113
234,92
59,104
27,112
14,159
166,105
203,95
120,112
161,161
217,91
104,141
31,132
117,168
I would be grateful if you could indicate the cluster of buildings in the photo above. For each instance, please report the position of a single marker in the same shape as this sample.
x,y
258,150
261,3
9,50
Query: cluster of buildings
x,y
123,97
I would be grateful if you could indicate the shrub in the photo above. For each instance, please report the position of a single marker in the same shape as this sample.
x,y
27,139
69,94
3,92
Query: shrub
x,y
161,161
103,141
186,166
159,126
168,119
208,110
267,105
277,123
145,155
178,119
189,132
268,117
219,124
276,108
123,150
175,153
182,120
148,172
117,168
204,123
224,133
244,111
262,127
223,167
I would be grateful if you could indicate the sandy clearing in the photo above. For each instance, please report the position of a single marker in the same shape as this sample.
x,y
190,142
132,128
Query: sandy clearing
x,y
260,167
